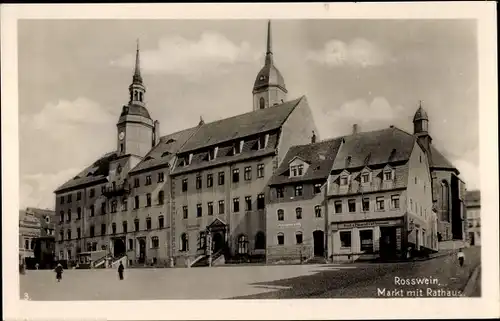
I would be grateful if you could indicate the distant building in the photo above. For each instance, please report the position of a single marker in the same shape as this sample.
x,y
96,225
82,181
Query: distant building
x,y
36,226
473,203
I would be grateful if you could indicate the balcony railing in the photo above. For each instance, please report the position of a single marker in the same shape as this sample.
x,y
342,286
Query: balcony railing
x,y
116,190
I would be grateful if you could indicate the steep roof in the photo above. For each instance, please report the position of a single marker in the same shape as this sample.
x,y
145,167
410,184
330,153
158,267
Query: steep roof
x,y
320,157
437,160
94,173
240,126
166,149
374,148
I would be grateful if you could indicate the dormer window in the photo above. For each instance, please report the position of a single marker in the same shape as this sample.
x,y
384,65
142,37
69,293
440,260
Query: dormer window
x,y
388,175
365,177
296,170
238,147
212,154
190,158
262,143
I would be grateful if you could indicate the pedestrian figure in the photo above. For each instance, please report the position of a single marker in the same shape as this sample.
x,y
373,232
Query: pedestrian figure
x,y
59,272
120,270
36,266
461,257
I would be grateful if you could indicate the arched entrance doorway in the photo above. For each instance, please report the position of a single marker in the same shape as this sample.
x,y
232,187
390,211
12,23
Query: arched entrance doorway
x,y
142,250
119,247
217,241
319,243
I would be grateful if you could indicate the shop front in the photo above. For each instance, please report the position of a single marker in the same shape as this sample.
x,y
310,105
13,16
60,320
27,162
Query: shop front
x,y
367,239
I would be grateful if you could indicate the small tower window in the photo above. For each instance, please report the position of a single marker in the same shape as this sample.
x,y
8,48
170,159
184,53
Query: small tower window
x,y
121,147
140,97
262,103
135,95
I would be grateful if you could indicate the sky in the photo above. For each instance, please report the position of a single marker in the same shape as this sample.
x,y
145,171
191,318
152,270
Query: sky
x,y
74,77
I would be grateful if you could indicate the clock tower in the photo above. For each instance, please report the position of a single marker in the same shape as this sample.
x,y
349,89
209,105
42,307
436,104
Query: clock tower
x,y
136,133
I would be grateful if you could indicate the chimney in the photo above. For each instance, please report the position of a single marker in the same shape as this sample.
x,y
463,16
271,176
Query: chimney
x,y
313,138
354,129
156,133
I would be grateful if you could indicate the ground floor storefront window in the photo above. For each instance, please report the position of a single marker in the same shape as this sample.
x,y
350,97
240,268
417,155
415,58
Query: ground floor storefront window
x,y
366,240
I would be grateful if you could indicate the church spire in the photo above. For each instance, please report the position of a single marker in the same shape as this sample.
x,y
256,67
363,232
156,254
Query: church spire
x,y
269,49
137,71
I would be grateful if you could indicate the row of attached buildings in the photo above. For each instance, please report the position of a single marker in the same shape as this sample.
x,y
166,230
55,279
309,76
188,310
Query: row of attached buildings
x,y
260,184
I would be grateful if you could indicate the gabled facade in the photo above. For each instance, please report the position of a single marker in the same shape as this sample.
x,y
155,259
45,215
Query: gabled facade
x,y
379,197
473,203
296,214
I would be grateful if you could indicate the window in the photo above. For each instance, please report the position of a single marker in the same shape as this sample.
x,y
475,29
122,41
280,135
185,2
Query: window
x,y
161,221
130,244
387,175
260,241
184,185
300,169
94,246
366,204
113,228
61,216
338,206
136,182
317,211
148,180
395,201
199,210
420,158
236,175
262,103
281,215
125,226
344,180
136,225
236,204
198,181
78,196
210,180
260,170
296,170
210,208
114,205
261,202
221,178
92,231
298,237
366,238
136,202
345,239
61,237
221,207
124,204
148,223
248,203
161,177
201,240
184,212
281,238
416,180
27,242
184,242
148,200
69,234
68,219
298,213
365,177
103,208
380,203
69,198
103,190
161,197
62,199
155,242
92,192
317,188
79,213
262,142
103,229
242,244
121,147
352,205
78,233
248,173
298,190
279,192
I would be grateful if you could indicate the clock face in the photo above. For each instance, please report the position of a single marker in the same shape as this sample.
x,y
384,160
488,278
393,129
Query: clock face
x,y
121,135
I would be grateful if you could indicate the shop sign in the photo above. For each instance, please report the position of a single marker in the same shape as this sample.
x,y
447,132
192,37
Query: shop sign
x,y
362,224
193,227
283,225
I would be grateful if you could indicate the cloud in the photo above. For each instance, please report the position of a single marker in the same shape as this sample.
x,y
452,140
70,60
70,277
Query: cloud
x,y
37,190
469,172
61,139
367,115
359,52
212,52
